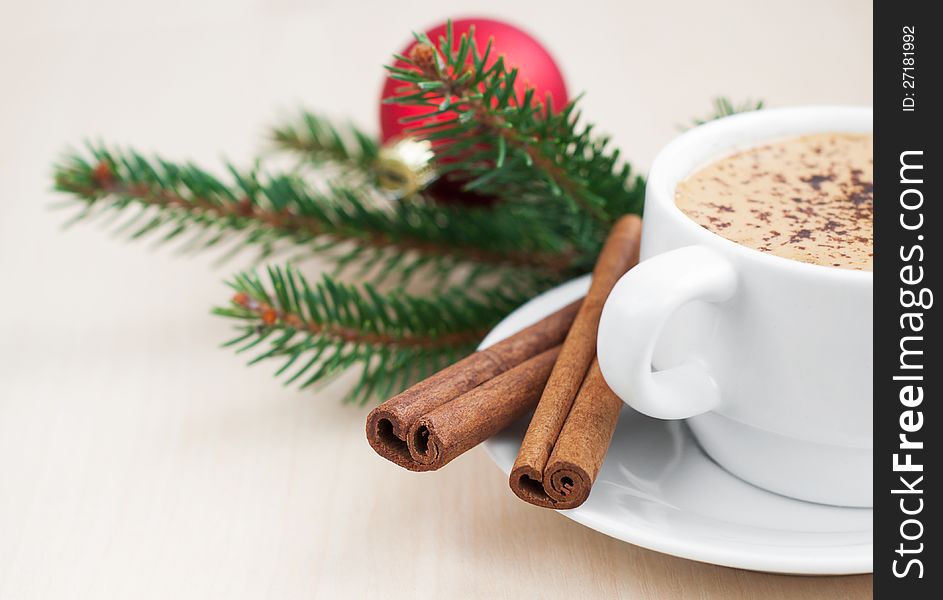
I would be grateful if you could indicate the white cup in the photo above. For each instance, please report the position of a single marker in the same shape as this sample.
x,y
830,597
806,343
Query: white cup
x,y
770,360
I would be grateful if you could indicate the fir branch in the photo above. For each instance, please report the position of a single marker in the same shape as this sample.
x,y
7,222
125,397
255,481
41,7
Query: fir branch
x,y
319,331
724,107
559,187
319,141
180,197
514,147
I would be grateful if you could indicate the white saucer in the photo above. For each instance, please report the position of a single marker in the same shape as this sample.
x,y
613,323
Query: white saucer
x,y
657,489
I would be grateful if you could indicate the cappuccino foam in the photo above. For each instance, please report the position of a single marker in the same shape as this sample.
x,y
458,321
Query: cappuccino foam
x,y
807,198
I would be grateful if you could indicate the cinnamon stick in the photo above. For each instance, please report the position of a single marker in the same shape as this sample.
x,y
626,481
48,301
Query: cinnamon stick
x,y
583,442
473,417
389,424
530,479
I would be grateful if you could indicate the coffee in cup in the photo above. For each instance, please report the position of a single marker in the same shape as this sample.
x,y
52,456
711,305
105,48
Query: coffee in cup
x,y
808,198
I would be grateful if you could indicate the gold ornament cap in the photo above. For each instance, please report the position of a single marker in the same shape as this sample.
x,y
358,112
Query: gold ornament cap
x,y
404,166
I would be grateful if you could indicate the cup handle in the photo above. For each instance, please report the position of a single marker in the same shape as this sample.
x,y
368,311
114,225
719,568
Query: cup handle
x,y
632,320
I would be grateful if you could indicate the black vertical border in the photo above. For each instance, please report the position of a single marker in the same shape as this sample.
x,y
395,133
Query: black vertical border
x,y
898,131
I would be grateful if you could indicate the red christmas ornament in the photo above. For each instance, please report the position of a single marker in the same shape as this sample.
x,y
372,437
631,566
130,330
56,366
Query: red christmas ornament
x,y
536,69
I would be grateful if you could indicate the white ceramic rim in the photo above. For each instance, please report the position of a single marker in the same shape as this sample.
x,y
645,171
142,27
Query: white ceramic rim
x,y
716,139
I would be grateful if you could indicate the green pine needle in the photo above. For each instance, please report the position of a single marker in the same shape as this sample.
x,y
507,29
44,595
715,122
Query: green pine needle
x,y
508,145
319,141
724,107
168,200
318,331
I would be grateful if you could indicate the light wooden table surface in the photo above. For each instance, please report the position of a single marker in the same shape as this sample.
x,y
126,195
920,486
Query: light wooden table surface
x,y
137,460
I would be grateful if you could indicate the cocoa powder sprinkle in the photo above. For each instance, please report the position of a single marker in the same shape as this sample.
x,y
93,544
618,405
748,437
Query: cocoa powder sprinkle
x,y
808,198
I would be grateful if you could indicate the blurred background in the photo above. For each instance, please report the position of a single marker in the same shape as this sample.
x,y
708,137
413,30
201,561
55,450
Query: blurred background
x,y
139,460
